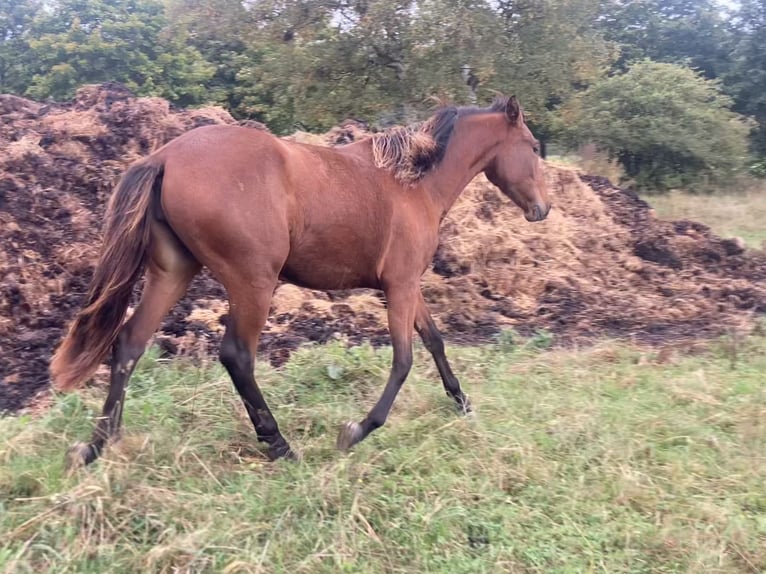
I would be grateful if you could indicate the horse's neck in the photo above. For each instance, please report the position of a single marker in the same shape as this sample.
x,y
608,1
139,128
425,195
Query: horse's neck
x,y
468,153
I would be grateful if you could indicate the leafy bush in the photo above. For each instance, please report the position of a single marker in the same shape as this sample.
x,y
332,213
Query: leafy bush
x,y
666,125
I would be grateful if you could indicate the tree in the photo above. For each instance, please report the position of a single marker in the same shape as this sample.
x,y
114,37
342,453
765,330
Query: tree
x,y
555,49
85,41
690,32
16,17
224,32
321,60
746,79
666,125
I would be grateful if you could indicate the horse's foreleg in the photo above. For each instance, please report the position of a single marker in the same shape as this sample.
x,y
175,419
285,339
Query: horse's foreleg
x,y
163,287
248,313
432,339
401,317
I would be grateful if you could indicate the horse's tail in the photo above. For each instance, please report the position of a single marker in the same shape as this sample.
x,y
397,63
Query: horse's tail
x,y
122,262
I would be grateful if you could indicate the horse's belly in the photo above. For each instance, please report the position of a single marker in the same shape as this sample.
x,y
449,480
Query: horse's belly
x,y
342,263
339,241
326,275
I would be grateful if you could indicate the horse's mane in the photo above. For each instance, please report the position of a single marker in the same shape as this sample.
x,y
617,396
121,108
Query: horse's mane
x,y
411,151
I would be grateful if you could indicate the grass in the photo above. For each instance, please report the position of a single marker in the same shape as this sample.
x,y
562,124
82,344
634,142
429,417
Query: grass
x,y
741,214
607,459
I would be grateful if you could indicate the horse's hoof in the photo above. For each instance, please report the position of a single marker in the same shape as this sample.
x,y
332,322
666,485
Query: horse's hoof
x,y
283,450
79,455
350,434
464,407
293,456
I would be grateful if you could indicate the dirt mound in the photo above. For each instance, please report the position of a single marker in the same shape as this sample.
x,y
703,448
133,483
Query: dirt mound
x,y
601,263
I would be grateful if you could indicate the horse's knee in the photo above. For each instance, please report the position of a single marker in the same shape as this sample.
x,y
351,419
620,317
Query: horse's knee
x,y
228,353
434,343
234,355
401,366
432,339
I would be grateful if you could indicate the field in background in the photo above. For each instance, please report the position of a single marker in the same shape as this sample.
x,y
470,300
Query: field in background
x,y
736,212
730,214
607,459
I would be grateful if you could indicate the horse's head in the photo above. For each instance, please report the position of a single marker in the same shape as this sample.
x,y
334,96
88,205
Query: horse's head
x,y
516,167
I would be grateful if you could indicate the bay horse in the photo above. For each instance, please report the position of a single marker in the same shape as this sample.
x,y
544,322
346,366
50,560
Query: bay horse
x,y
255,209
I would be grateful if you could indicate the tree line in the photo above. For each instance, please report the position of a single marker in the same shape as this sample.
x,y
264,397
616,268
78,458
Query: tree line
x,y
675,90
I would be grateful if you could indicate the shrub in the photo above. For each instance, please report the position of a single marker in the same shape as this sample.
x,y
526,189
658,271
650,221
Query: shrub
x,y
666,125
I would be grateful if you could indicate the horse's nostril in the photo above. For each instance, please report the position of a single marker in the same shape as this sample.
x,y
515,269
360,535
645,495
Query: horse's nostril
x,y
539,211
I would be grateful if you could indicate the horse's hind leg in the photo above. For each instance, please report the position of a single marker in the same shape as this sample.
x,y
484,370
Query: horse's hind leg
x,y
169,271
432,339
249,309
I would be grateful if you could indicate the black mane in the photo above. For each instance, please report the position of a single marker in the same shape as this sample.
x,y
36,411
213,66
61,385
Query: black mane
x,y
412,151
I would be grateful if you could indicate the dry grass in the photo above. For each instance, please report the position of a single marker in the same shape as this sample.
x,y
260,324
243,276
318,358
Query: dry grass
x,y
741,214
606,459
594,162
738,213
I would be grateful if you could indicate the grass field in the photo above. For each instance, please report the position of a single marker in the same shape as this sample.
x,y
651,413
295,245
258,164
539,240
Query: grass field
x,y
740,214
607,459
739,211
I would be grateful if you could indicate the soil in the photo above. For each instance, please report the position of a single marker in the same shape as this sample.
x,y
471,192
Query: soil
x,y
601,265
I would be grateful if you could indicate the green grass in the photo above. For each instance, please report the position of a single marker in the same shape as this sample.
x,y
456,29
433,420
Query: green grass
x,y
607,459
741,214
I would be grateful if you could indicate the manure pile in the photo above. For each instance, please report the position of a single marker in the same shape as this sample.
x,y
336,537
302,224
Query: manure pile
x,y
600,265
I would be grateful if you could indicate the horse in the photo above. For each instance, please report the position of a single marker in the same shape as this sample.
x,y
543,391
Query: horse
x,y
256,209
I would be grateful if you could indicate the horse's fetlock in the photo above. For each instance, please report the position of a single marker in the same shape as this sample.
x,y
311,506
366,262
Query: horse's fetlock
x,y
375,422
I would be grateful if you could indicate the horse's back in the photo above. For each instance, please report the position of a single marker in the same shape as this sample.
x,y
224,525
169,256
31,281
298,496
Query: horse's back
x,y
219,144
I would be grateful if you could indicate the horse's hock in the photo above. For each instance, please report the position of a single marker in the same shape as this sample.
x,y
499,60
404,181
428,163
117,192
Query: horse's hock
x,y
601,264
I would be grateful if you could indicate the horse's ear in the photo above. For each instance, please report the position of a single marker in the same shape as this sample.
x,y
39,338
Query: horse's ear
x,y
513,111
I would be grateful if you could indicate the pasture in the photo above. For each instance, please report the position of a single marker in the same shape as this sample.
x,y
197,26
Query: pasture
x,y
608,458
615,358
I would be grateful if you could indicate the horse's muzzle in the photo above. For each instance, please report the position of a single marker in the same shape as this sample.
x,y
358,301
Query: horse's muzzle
x,y
538,212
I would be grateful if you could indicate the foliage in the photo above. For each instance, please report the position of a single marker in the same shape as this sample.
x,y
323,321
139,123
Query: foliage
x,y
73,42
722,40
667,126
569,460
16,17
746,78
689,32
554,49
309,64
312,63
